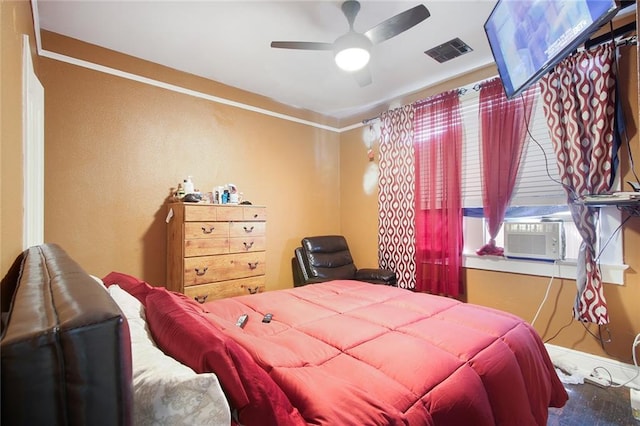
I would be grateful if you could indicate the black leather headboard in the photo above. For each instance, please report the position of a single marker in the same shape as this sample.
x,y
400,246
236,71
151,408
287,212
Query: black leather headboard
x,y
65,347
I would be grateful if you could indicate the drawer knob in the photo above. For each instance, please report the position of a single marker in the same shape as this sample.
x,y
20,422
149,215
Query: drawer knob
x,y
201,272
252,290
253,265
248,230
247,246
201,299
255,216
207,230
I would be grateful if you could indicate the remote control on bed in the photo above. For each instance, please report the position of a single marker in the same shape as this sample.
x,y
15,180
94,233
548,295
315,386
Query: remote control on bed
x,y
242,320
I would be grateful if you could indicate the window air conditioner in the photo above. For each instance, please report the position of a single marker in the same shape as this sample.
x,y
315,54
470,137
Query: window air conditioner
x,y
534,240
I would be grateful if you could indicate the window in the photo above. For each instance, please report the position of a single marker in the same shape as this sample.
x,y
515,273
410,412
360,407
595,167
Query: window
x,y
538,194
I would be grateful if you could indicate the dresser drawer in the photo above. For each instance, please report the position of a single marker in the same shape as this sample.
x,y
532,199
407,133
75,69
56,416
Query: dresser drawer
x,y
240,229
205,229
247,244
211,212
206,247
229,213
254,213
206,269
199,213
207,292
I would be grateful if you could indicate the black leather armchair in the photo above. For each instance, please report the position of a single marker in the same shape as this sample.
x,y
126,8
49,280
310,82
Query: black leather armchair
x,y
326,258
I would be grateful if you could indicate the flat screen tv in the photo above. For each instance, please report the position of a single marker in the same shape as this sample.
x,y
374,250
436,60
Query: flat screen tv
x,y
529,37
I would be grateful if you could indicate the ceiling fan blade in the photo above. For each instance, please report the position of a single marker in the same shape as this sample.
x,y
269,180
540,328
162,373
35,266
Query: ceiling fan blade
x,y
363,77
397,24
302,45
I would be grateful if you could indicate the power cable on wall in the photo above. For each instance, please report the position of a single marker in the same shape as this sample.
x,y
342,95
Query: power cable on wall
x,y
546,294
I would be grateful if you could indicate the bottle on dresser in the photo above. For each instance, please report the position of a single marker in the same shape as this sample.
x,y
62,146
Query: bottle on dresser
x,y
188,186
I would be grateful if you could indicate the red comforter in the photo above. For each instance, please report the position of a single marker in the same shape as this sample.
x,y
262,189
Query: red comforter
x,y
352,353
346,351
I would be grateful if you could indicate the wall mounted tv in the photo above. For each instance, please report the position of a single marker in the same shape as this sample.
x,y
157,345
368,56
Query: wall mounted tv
x,y
529,37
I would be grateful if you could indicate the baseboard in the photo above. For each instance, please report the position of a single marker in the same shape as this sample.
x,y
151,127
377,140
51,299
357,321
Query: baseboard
x,y
585,364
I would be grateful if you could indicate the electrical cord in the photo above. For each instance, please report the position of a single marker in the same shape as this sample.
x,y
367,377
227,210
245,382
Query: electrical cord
x,y
630,210
602,340
598,338
561,328
568,188
546,295
606,243
636,343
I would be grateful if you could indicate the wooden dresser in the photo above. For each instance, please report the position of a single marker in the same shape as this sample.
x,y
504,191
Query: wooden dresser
x,y
216,250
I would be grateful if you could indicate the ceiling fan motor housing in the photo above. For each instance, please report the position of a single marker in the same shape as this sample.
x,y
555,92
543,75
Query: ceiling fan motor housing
x,y
352,51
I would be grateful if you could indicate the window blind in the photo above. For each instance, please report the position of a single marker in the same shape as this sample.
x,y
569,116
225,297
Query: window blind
x,y
534,186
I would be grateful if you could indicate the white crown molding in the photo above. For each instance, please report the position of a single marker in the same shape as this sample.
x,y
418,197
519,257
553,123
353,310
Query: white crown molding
x,y
156,83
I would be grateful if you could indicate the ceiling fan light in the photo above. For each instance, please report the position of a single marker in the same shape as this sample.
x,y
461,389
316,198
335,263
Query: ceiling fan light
x,y
352,58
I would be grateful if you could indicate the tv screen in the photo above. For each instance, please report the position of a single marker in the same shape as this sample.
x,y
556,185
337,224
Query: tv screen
x,y
529,37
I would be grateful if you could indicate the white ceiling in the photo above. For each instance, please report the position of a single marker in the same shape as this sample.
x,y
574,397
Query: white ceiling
x,y
229,42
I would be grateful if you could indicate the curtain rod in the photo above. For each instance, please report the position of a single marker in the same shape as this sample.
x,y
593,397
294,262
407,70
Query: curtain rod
x,y
461,92
476,88
611,35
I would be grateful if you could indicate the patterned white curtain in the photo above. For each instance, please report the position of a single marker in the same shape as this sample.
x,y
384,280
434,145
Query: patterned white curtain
x,y
579,104
396,205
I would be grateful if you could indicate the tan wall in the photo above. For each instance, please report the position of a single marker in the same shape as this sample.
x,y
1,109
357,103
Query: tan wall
x,y
519,294
358,199
15,20
116,147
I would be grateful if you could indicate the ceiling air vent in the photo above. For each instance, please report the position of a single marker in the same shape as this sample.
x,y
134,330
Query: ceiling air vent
x,y
449,50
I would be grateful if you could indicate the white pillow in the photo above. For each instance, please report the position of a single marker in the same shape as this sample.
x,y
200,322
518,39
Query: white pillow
x,y
166,391
99,281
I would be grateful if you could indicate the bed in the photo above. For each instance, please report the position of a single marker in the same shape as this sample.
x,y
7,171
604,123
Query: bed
x,y
348,352
335,353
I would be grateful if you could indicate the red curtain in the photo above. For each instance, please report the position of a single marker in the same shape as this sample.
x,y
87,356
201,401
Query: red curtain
x,y
438,153
503,132
579,99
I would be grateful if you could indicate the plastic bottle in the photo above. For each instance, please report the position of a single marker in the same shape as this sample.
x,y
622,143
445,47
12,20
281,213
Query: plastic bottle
x,y
188,186
180,192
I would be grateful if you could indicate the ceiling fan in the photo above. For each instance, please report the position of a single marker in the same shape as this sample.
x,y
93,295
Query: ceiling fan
x,y
352,50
